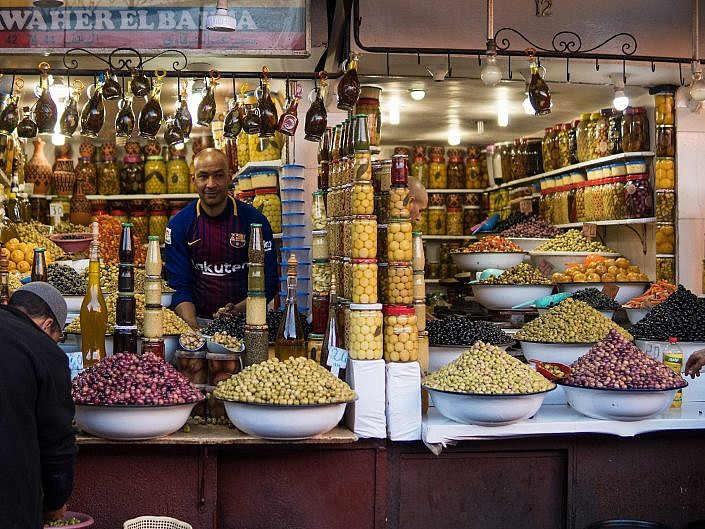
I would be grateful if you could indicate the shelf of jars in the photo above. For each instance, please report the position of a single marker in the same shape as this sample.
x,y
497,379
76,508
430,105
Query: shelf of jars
x,y
574,167
460,190
449,237
165,196
618,222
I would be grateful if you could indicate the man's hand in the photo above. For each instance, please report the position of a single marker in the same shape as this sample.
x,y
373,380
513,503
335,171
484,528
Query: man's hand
x,y
50,516
695,362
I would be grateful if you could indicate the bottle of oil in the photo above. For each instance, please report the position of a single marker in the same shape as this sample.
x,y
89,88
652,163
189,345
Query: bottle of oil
x,y
673,358
94,313
39,266
333,357
290,336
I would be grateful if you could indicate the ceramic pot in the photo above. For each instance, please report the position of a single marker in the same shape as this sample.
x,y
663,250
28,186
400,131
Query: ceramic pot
x,y
38,170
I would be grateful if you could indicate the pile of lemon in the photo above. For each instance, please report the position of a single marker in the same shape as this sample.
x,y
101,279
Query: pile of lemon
x,y
21,254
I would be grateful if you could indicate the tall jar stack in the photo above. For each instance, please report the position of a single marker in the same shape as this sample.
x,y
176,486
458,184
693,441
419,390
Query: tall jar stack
x,y
153,331
125,335
256,330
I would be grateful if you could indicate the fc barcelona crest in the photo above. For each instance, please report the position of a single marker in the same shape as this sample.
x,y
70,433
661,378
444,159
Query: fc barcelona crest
x,y
237,240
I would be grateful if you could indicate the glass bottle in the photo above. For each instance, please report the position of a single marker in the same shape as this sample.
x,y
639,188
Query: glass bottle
x,y
26,128
94,312
316,116
13,208
673,358
111,88
324,159
333,356
207,108
68,123
139,84
182,114
255,251
290,335
232,124
153,260
539,94
150,119
4,280
289,120
267,110
349,85
93,114
10,114
39,265
361,133
45,111
126,252
125,118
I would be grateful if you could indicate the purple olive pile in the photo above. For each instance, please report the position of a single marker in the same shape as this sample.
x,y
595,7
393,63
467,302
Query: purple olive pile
x,y
133,380
615,363
682,315
533,227
514,218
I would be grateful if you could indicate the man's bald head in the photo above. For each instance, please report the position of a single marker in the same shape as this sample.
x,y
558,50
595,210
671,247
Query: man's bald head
x,y
418,198
210,155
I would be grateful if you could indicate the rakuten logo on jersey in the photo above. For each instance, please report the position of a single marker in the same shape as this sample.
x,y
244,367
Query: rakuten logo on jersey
x,y
219,270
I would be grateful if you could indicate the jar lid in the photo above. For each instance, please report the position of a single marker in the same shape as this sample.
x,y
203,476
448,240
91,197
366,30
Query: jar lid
x,y
290,201
127,225
382,226
316,336
418,273
364,261
423,334
454,210
267,191
398,310
640,176
634,162
664,127
419,301
665,191
155,157
436,208
365,306
471,207
315,232
400,263
416,233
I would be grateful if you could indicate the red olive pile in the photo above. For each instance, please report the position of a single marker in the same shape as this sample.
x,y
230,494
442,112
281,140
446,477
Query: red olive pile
x,y
615,363
137,380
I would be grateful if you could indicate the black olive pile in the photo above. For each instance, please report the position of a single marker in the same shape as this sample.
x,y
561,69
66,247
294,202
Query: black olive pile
x,y
596,299
233,323
682,315
458,330
514,218
66,280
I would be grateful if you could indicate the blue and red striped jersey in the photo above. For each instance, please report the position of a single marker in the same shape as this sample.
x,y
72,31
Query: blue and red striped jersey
x,y
206,257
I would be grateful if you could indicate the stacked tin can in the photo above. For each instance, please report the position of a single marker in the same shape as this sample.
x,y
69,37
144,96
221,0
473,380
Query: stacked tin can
x,y
256,329
153,331
125,334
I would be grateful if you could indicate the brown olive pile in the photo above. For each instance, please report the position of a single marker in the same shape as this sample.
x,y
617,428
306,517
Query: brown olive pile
x,y
572,241
127,379
521,274
615,363
533,227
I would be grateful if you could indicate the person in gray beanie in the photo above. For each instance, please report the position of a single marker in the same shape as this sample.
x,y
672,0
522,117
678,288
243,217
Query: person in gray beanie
x,y
38,442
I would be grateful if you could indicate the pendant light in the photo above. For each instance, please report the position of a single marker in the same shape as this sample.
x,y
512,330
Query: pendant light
x,y
620,100
221,21
490,73
697,84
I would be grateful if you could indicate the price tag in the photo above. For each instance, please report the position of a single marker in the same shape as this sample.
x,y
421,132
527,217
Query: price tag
x,y
526,206
590,230
545,268
610,290
337,359
56,209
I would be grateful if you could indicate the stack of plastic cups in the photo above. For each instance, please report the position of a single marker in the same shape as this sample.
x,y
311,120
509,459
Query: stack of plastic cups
x,y
153,314
296,237
256,330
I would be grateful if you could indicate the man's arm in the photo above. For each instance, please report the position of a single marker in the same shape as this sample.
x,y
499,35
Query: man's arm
x,y
180,273
186,310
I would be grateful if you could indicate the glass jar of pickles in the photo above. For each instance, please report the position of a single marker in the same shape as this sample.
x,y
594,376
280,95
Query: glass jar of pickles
x,y
364,237
382,242
665,141
665,238
437,216
455,171
666,268
421,224
437,175
320,303
638,197
319,245
419,286
364,331
399,202
108,175
401,342
362,199
420,309
347,237
140,224
399,240
396,282
268,203
364,281
519,162
382,175
473,175
346,284
382,206
635,130
583,138
318,211
454,221
472,215
346,197
177,172
665,206
419,165
548,162
601,133
155,175
614,134
321,274
362,171
665,173
665,111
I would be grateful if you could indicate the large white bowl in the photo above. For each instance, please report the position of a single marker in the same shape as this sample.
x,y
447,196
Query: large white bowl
x,y
618,405
132,423
627,290
284,423
475,261
527,243
563,353
636,315
171,344
440,355
508,296
486,410
560,260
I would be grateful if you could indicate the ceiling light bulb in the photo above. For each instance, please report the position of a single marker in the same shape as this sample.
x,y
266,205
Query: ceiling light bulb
x,y
528,108
697,86
394,115
221,21
502,117
620,101
453,137
58,139
417,94
490,73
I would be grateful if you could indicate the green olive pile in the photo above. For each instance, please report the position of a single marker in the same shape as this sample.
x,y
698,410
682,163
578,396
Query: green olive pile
x,y
572,241
486,369
66,280
109,279
295,381
569,322
68,227
65,522
521,274
13,281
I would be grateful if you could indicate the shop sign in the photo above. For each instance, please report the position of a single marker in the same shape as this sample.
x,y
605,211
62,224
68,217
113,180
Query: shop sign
x,y
266,27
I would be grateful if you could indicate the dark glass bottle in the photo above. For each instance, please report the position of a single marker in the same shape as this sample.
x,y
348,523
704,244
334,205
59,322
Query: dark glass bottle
x,y
232,124
289,120
9,116
361,133
255,252
173,135
126,253
139,84
39,265
316,117
183,116
111,88
333,356
349,86
68,123
45,111
150,119
207,107
290,335
125,118
539,94
27,128
93,114
267,111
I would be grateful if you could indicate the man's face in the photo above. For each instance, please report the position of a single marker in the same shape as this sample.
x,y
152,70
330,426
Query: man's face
x,y
417,205
211,178
51,330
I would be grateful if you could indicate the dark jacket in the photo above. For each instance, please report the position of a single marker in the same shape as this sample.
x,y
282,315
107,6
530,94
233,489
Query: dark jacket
x,y
37,439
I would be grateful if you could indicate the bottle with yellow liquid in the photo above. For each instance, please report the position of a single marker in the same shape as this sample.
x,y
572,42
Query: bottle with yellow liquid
x,y
290,335
673,358
94,313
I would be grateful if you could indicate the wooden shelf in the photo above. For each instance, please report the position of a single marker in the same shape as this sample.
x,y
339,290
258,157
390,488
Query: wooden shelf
x,y
623,222
569,168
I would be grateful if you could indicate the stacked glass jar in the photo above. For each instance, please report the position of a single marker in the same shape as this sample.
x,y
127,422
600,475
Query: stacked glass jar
x,y
153,328
256,330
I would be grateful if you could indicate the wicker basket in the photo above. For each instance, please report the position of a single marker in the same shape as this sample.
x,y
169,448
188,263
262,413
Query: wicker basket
x,y
155,522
